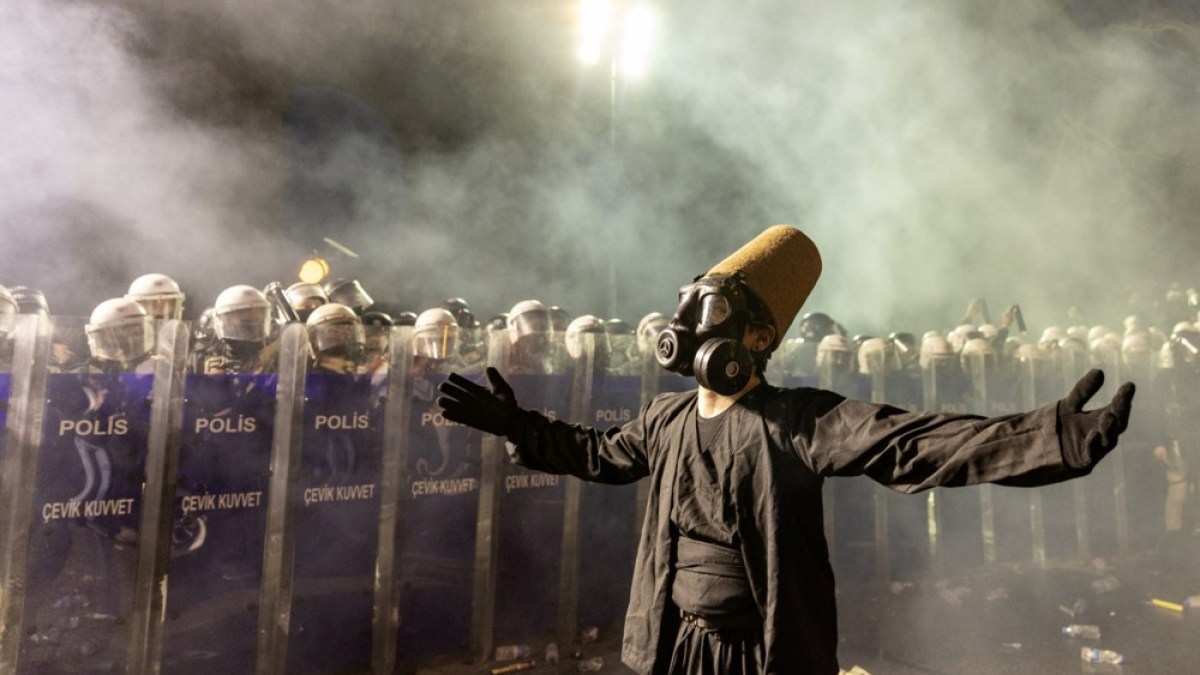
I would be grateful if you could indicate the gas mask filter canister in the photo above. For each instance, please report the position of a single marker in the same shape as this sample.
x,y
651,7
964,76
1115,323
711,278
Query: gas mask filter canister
x,y
704,337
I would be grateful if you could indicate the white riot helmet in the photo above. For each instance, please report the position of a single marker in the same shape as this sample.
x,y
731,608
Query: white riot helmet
x,y
120,330
936,349
528,317
958,336
305,297
1105,348
833,350
976,349
335,328
1051,337
1096,332
648,329
1136,349
436,334
1027,352
159,295
242,313
8,311
876,355
591,325
989,330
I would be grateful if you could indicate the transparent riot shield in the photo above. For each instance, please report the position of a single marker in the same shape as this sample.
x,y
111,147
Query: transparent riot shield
x,y
84,605
901,520
218,522
440,502
608,516
1074,364
336,522
953,516
1108,528
849,504
530,509
284,500
24,410
6,351
799,368
1007,533
1029,373
155,541
1143,472
393,362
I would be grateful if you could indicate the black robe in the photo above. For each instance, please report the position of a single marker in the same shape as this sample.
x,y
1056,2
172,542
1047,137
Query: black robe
x,y
782,443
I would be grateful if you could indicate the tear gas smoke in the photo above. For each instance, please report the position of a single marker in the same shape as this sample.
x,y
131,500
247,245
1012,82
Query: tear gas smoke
x,y
1025,152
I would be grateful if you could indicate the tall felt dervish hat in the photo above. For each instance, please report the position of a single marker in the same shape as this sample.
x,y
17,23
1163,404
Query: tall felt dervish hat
x,y
781,266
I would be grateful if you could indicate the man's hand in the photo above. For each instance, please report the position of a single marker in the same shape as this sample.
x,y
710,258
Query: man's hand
x,y
492,410
1087,437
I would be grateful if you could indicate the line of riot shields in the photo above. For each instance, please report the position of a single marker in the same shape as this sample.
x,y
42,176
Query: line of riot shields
x,y
303,521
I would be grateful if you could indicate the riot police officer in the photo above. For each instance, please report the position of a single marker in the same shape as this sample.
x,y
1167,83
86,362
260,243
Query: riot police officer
x,y
120,338
241,320
336,335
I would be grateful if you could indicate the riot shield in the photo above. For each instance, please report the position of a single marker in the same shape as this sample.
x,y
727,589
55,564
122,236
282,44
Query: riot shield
x,y
608,516
529,519
1143,473
902,530
1071,497
24,409
219,523
155,543
284,500
336,523
954,516
87,501
440,499
1108,530
1005,522
850,504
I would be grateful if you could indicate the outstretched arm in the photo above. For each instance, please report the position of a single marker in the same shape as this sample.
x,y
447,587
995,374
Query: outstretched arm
x,y
916,451
617,455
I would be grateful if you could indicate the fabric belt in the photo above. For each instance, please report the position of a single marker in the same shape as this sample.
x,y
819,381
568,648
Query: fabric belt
x,y
711,587
702,557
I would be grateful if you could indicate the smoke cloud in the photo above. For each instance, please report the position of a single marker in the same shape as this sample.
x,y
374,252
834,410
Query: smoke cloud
x,y
1022,152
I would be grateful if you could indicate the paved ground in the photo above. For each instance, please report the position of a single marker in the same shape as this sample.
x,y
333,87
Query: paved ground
x,y
1002,620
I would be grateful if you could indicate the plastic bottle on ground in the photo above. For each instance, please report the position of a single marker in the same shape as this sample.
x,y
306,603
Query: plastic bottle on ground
x,y
1082,631
511,652
1093,655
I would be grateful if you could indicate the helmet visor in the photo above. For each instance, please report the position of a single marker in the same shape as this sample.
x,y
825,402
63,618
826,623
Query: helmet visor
x,y
436,342
125,342
334,337
162,307
248,324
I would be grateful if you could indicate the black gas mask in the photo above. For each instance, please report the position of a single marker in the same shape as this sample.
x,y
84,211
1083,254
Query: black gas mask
x,y
704,337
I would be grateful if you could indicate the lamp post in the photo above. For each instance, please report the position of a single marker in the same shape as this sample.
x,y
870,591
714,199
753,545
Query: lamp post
x,y
617,34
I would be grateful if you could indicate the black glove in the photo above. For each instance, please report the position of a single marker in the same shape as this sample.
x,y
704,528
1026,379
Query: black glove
x,y
492,410
1086,437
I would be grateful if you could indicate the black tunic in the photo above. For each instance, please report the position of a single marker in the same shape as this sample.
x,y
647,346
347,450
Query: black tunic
x,y
781,444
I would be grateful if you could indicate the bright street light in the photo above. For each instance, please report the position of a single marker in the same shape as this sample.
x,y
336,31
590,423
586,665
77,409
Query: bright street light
x,y
622,34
